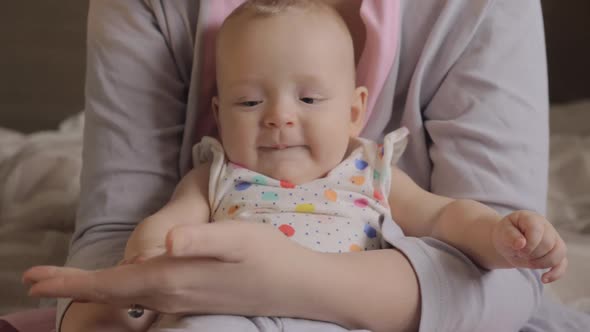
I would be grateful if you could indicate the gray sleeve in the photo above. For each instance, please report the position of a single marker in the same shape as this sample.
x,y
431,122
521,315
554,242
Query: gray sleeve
x,y
488,121
135,108
488,127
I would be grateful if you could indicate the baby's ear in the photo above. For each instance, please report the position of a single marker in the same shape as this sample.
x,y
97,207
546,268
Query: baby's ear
x,y
215,110
358,110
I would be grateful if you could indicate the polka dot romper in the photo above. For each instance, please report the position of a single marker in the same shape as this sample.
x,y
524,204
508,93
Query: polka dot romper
x,y
341,212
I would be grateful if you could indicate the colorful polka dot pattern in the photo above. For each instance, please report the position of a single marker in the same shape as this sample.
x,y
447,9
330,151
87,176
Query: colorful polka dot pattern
x,y
270,196
337,213
242,185
287,230
331,195
305,208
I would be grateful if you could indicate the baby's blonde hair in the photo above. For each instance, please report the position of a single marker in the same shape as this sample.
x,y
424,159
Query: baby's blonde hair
x,y
272,7
266,8
263,8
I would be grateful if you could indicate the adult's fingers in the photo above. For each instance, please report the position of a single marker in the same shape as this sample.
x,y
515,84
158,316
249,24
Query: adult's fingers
x,y
227,241
42,272
121,286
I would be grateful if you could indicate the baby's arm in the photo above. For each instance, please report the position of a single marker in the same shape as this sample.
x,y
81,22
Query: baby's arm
x,y
189,205
521,239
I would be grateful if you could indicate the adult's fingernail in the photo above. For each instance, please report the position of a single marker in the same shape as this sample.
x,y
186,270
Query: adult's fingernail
x,y
179,244
139,259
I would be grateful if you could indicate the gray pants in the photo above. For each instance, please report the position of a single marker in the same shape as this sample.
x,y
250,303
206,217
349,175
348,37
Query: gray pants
x,y
556,318
225,323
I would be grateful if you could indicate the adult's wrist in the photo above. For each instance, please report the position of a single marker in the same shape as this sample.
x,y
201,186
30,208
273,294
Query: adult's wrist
x,y
376,290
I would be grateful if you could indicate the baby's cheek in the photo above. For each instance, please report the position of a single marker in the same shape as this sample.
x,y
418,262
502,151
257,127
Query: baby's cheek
x,y
237,156
329,155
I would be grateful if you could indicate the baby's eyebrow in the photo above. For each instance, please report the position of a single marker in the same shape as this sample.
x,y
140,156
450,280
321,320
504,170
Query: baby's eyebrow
x,y
244,82
243,88
313,81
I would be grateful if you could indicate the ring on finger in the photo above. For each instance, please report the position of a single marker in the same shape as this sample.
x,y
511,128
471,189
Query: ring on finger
x,y
135,311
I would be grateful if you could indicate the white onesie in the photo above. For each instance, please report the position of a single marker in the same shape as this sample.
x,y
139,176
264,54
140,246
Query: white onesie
x,y
343,211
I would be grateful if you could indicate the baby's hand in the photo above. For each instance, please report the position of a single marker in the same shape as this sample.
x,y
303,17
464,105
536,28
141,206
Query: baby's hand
x,y
526,239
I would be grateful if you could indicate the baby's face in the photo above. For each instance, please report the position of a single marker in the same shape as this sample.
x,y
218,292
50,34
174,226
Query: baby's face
x,y
287,104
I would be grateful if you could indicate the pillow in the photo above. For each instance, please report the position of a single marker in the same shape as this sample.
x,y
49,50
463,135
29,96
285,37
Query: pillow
x,y
568,204
38,197
569,169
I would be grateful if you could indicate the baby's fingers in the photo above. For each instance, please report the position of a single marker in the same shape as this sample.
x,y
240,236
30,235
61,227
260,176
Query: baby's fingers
x,y
512,238
552,256
556,272
533,229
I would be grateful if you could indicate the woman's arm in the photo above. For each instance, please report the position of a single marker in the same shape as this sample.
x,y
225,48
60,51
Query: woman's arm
x,y
488,128
135,107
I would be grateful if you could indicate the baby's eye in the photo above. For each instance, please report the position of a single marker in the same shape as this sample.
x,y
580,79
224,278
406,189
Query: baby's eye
x,y
249,103
309,100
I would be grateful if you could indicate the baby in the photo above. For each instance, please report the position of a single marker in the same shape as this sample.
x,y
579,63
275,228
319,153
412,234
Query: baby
x,y
289,116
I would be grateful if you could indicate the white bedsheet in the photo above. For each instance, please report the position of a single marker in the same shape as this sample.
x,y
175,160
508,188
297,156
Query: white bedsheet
x,y
39,186
569,198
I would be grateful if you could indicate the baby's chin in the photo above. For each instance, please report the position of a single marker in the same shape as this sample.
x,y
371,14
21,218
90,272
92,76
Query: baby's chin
x,y
293,173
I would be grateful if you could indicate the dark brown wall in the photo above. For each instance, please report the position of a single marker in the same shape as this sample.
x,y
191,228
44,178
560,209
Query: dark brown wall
x,y
41,62
567,30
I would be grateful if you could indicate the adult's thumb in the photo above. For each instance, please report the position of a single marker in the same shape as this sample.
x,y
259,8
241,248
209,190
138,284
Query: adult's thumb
x,y
222,240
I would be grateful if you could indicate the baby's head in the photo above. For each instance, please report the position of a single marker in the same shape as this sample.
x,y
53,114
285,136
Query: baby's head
x,y
286,103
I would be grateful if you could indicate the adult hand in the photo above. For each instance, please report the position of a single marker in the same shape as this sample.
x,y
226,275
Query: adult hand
x,y
224,267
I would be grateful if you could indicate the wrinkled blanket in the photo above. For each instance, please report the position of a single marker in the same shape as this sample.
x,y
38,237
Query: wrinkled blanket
x,y
39,186
568,204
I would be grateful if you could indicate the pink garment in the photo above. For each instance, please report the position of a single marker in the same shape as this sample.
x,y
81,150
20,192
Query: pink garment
x,y
35,320
381,18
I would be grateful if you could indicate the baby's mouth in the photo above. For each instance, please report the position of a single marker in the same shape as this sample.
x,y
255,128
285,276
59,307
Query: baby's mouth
x,y
280,147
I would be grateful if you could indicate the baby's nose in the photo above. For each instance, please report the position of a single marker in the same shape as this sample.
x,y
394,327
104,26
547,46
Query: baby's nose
x,y
279,118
